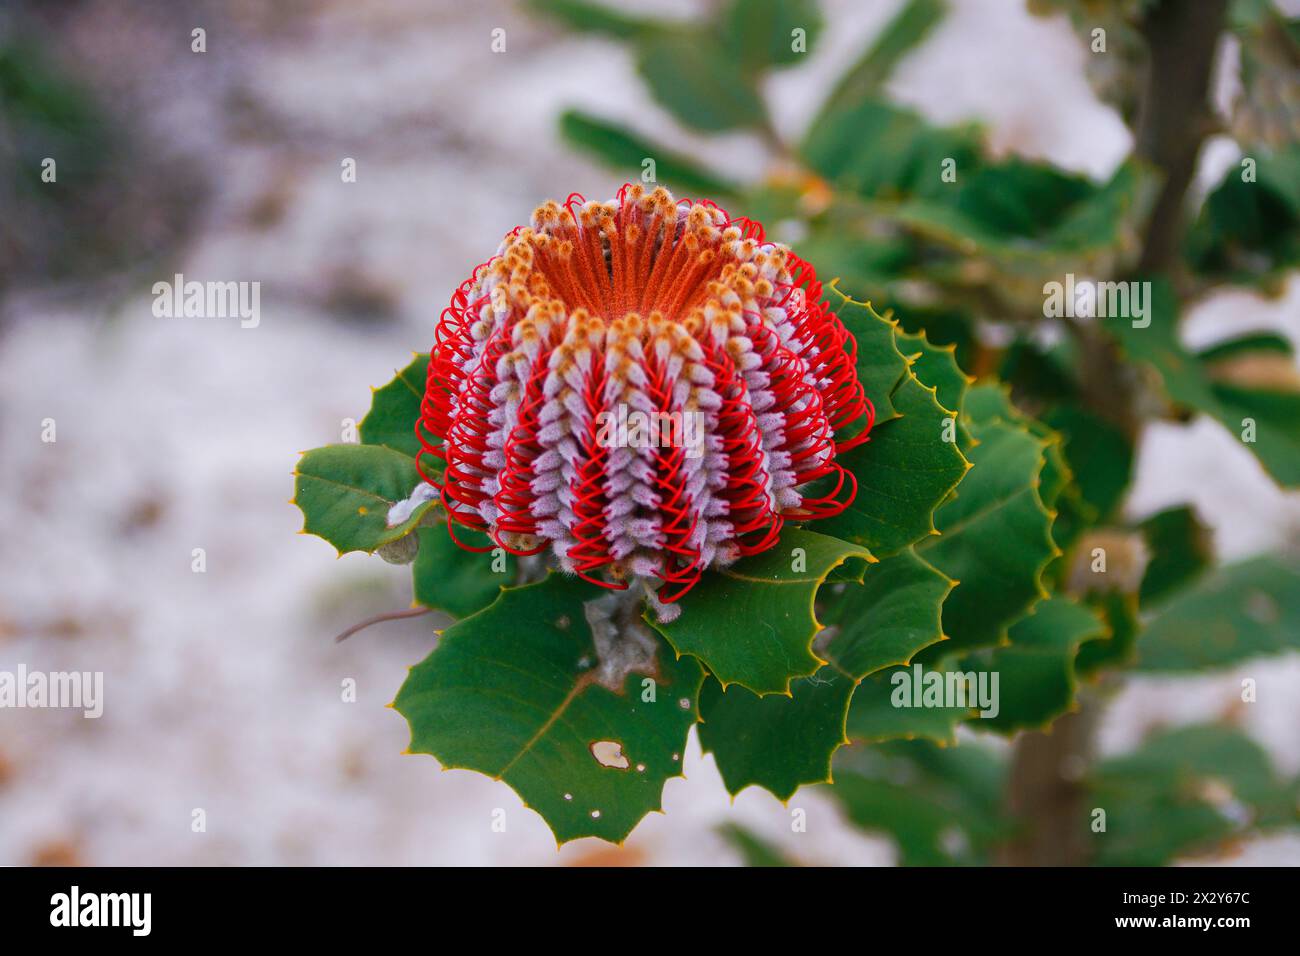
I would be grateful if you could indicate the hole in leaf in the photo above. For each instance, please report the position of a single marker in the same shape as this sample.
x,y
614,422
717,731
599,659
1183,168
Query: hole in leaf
x,y
609,753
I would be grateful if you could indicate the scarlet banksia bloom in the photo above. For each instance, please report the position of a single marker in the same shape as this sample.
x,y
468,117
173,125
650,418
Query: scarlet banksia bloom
x,y
646,386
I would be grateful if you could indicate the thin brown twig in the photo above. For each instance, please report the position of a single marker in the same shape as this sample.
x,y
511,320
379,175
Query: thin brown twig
x,y
380,618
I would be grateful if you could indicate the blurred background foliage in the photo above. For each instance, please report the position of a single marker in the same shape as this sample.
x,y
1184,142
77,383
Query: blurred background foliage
x,y
954,242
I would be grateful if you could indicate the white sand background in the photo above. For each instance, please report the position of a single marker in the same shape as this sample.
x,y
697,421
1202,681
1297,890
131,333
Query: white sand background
x,y
223,688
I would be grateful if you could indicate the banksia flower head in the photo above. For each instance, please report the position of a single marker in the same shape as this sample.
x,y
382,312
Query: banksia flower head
x,y
645,386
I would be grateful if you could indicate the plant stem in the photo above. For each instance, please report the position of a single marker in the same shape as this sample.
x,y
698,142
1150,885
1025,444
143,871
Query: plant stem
x,y
1046,792
1176,115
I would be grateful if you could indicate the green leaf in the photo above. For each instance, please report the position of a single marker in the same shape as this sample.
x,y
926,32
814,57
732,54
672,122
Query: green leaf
x,y
1099,457
1046,372
994,535
775,742
944,325
901,35
345,493
1180,549
1087,224
1249,232
1231,614
877,712
866,263
906,468
624,150
1036,677
698,81
966,238
781,743
991,402
760,32
882,366
888,618
1276,418
518,692
1185,791
753,623
596,18
1274,411
884,152
936,365
1017,198
904,471
940,804
1252,343
395,408
1118,647
449,578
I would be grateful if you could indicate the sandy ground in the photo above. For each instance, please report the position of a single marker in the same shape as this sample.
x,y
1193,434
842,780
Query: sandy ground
x,y
223,687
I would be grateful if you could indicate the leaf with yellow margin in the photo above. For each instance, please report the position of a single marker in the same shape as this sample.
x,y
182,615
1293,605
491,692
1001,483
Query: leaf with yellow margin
x,y
520,692
753,623
781,743
911,462
995,532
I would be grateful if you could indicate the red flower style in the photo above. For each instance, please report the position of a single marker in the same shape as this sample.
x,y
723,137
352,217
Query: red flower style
x,y
653,310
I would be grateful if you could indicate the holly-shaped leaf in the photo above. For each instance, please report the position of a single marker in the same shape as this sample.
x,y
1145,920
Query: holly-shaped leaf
x,y
775,742
935,365
894,613
890,705
881,364
911,462
444,575
1099,456
1234,613
753,623
1025,684
781,743
1035,672
395,408
360,497
995,533
449,578
585,724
